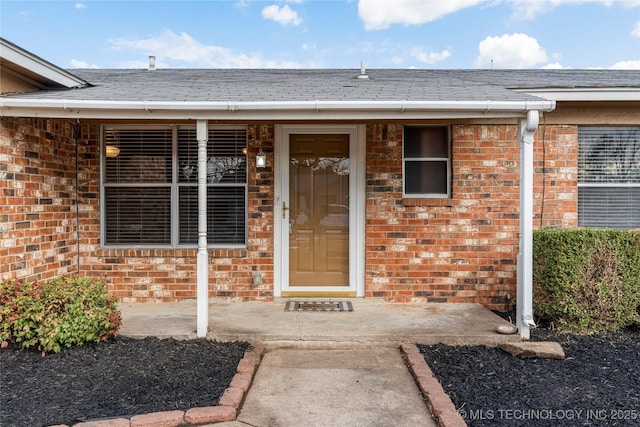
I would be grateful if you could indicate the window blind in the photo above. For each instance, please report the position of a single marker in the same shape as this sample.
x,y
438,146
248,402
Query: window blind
x,y
226,219
137,191
226,186
226,160
609,177
137,215
144,156
150,186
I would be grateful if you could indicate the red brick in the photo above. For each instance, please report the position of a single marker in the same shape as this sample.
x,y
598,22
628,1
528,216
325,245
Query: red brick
x,y
210,414
158,419
116,422
232,397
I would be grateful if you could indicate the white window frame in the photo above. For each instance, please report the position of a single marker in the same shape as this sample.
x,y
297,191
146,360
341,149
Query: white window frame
x,y
175,185
426,160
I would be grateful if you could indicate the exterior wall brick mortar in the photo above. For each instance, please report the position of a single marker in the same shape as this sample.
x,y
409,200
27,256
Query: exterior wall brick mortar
x,y
458,249
38,228
461,249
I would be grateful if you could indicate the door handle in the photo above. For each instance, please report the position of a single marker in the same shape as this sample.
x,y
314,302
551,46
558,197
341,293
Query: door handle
x,y
284,210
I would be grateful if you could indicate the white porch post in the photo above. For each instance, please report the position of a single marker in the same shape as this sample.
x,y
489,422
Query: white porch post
x,y
202,278
524,303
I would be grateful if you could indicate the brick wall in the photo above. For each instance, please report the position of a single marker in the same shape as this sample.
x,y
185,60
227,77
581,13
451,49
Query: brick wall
x,y
556,176
461,249
37,199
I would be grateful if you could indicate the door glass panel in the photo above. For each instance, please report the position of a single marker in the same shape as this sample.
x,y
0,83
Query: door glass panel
x,y
319,211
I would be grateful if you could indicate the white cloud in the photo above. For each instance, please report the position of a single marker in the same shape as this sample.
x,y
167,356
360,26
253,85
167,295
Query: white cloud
x,y
510,51
80,5
380,14
429,57
626,65
242,4
82,64
555,66
529,9
182,50
636,30
282,15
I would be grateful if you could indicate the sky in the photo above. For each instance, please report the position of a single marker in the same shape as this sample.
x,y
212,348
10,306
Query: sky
x,y
424,34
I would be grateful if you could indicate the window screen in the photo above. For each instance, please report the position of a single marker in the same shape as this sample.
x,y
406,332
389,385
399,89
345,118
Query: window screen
x,y
426,152
609,177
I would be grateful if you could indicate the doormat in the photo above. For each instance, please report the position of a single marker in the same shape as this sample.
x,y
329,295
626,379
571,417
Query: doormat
x,y
318,306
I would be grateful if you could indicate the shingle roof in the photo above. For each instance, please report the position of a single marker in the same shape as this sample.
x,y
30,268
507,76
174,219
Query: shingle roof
x,y
269,85
557,79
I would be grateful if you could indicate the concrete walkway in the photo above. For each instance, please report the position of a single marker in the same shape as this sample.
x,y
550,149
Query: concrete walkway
x,y
331,368
355,387
373,323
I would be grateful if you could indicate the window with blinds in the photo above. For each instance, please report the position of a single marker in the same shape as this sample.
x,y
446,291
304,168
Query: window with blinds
x,y
426,151
226,186
150,186
609,177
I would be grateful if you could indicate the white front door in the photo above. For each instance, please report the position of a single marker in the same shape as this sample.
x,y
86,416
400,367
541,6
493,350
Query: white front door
x,y
319,211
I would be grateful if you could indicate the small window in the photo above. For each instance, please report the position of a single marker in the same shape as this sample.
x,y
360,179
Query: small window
x,y
427,161
609,177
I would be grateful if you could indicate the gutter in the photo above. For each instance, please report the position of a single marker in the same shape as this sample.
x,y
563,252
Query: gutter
x,y
585,94
254,110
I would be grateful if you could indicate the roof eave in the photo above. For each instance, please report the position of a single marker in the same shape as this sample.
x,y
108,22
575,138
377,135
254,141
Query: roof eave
x,y
285,110
35,64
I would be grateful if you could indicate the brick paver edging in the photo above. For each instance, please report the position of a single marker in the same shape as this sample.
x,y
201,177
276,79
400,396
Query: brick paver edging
x,y
439,402
227,409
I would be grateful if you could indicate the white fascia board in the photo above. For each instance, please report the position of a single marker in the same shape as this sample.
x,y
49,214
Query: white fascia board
x,y
586,94
300,110
35,64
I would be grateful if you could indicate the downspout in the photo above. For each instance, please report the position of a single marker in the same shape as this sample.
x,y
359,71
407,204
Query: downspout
x,y
524,303
77,133
202,277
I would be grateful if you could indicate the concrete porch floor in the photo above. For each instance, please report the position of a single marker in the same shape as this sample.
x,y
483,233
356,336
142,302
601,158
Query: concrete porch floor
x,y
372,323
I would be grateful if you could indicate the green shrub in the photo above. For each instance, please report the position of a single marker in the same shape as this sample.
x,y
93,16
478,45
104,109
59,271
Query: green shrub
x,y
587,280
60,312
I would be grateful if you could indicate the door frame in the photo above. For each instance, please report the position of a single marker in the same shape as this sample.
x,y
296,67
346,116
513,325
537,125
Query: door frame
x,y
357,204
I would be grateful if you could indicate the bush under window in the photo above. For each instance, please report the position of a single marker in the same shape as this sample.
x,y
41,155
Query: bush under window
x,y
587,280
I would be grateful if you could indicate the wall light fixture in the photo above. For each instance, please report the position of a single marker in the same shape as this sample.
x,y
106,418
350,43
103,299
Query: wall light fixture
x,y
261,159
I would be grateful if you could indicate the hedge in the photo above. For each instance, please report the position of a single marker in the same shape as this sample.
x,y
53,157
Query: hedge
x,y
587,280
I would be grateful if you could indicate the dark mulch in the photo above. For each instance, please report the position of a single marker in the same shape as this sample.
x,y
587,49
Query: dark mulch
x,y
598,384
122,377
